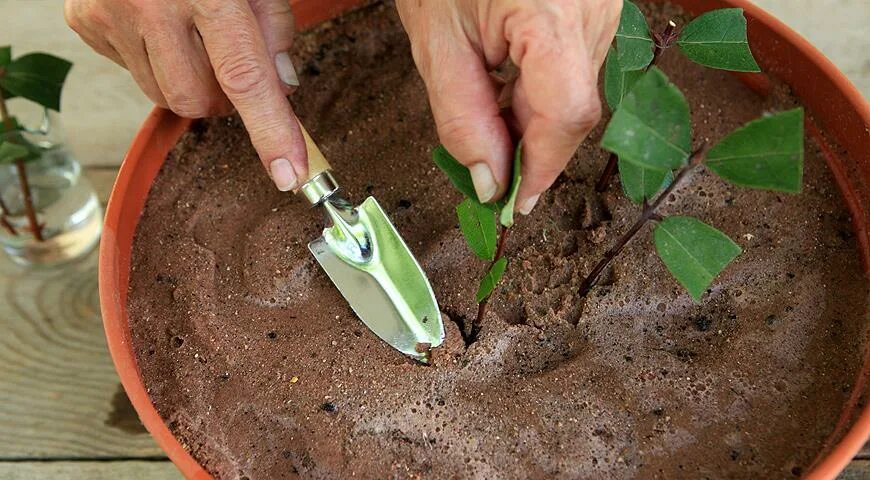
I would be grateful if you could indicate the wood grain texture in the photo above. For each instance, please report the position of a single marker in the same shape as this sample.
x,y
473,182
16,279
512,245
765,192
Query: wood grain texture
x,y
857,470
61,397
122,470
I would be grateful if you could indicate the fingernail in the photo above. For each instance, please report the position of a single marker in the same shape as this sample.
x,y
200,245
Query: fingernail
x,y
286,72
484,182
283,174
528,204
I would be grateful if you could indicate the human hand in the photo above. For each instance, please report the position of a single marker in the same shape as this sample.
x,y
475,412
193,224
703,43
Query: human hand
x,y
205,57
559,47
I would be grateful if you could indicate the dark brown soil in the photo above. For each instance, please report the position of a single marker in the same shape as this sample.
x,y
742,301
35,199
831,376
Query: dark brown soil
x,y
262,370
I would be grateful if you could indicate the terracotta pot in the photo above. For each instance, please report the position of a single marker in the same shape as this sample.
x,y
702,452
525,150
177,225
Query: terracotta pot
x,y
838,117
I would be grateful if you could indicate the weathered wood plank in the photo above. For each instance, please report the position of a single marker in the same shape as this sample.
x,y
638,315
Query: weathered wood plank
x,y
127,470
857,470
102,178
61,396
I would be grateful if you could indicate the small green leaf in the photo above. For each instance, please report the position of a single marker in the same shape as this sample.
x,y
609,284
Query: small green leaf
x,y
694,252
717,39
651,126
38,77
767,153
640,183
633,42
477,223
5,55
506,217
458,173
616,82
10,152
490,280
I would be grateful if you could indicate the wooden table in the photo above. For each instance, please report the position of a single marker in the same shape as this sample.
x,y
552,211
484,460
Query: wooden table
x,y
63,414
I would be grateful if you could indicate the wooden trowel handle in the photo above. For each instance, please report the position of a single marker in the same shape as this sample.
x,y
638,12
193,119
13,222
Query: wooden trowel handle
x,y
317,163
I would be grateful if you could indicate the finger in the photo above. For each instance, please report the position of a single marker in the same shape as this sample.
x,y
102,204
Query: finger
x,y
276,23
134,56
182,71
464,103
248,77
555,99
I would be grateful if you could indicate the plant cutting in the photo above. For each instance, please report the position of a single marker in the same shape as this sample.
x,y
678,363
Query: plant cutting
x,y
716,39
650,132
480,222
38,77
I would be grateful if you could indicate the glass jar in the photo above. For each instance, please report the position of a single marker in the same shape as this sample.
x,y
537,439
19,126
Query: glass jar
x,y
63,219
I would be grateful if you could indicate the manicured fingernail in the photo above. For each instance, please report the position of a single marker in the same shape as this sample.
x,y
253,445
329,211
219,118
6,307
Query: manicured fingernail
x,y
286,72
484,182
283,174
528,204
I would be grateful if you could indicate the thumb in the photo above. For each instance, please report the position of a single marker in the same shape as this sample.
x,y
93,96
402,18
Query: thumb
x,y
464,103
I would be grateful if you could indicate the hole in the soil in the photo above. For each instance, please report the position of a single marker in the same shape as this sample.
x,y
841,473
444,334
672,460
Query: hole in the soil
x,y
272,335
469,329
177,341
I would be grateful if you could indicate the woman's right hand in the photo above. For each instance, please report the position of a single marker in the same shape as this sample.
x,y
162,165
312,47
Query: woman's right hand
x,y
207,57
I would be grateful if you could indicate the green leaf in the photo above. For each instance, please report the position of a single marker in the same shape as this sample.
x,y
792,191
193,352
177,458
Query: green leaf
x,y
694,252
640,183
633,42
10,152
506,217
767,153
5,55
458,174
616,82
477,222
651,126
490,280
38,77
717,39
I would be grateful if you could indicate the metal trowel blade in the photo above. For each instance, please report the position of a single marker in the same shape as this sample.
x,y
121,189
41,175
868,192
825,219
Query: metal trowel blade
x,y
378,275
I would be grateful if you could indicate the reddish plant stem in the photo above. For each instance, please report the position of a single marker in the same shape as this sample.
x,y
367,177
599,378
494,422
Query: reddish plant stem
x,y
29,210
662,42
499,252
4,212
35,227
649,213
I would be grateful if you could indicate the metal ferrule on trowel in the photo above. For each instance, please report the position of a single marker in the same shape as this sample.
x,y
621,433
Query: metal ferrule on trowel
x,y
372,267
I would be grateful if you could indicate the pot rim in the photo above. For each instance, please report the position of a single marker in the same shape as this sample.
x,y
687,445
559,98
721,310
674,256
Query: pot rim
x,y
161,129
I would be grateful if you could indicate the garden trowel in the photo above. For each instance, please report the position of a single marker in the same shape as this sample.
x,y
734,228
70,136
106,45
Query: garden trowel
x,y
372,267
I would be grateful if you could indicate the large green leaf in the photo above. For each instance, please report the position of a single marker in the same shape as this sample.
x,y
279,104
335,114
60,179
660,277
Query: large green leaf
x,y
717,39
640,183
5,55
490,280
458,173
478,225
651,126
617,82
10,152
38,77
5,58
694,252
633,42
767,153
506,217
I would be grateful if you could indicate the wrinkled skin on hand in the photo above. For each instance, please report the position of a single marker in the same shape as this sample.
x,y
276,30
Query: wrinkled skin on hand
x,y
208,57
559,47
